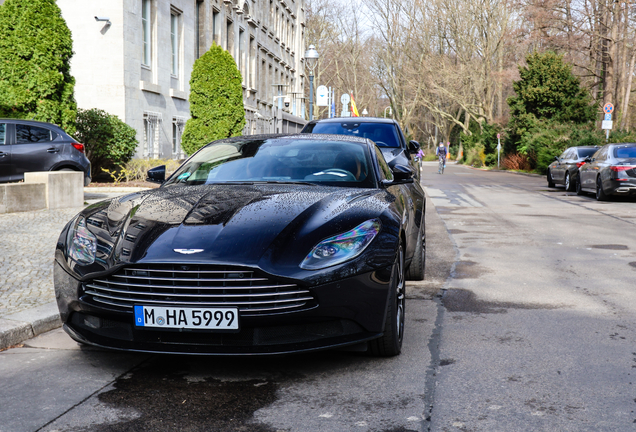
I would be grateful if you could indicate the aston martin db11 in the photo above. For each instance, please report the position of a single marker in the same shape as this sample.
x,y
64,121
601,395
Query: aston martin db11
x,y
255,245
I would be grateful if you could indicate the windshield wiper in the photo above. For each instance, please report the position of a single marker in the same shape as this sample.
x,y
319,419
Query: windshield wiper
x,y
284,182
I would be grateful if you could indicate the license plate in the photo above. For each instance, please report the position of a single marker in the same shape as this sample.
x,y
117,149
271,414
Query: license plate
x,y
189,318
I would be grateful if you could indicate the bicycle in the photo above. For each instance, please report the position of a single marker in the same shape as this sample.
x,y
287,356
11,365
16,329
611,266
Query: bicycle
x,y
442,164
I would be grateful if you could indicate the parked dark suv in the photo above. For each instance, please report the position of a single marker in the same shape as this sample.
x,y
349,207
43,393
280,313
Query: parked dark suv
x,y
29,146
386,133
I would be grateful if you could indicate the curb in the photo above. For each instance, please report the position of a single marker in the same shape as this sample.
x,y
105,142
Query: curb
x,y
20,326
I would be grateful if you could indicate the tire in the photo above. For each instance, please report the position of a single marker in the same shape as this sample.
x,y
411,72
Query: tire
x,y
390,343
550,182
417,267
579,188
569,186
600,194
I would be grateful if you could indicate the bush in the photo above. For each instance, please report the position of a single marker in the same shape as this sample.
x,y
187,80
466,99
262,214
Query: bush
x,y
136,169
108,140
516,161
483,141
216,100
35,53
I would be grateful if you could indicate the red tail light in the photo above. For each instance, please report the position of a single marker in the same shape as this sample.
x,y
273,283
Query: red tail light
x,y
580,164
78,146
620,168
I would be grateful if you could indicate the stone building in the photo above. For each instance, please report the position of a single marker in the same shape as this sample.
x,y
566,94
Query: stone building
x,y
133,58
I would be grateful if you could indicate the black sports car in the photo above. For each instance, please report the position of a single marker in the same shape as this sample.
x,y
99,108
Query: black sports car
x,y
256,244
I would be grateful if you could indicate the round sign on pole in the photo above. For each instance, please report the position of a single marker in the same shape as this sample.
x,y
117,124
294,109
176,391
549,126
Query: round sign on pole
x,y
345,98
498,136
608,108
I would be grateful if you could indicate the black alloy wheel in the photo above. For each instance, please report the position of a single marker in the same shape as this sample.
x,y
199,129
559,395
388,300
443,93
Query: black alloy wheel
x,y
390,343
579,188
600,194
550,182
418,264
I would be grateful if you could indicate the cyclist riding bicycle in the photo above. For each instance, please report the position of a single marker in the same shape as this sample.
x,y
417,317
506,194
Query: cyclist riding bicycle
x,y
441,153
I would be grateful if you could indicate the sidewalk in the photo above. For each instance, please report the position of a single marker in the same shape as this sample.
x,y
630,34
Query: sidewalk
x,y
27,246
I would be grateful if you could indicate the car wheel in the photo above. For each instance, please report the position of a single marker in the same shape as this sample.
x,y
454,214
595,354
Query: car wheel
x,y
418,264
550,182
390,343
600,194
568,182
579,188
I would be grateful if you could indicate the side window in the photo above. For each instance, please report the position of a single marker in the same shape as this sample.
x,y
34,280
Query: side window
x,y
385,171
564,155
601,155
3,133
25,134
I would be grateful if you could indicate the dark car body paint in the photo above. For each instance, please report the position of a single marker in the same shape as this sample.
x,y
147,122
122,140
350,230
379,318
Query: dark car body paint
x,y
269,227
567,164
599,167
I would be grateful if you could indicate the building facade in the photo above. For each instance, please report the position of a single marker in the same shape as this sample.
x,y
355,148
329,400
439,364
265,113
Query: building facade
x,y
133,58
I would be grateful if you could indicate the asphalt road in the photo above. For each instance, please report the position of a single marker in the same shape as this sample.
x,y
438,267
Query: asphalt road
x,y
525,323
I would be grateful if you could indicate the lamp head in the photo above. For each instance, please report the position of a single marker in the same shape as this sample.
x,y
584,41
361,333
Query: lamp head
x,y
311,57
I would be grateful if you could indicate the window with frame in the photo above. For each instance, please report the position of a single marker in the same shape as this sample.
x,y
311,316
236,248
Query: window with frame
x,y
178,124
175,41
3,133
25,134
152,121
146,24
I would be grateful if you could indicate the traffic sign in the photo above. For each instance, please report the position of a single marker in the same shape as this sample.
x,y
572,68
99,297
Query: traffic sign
x,y
345,98
607,124
608,108
322,96
498,136
608,117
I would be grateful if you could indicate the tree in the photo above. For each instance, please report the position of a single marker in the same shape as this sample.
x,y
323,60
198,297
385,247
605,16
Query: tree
x,y
35,53
216,100
107,139
549,91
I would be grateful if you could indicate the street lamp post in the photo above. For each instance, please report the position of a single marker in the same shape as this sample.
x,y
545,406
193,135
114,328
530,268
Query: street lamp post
x,y
311,58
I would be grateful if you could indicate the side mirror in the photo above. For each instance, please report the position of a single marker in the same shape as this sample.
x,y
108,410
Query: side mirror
x,y
402,174
587,159
414,147
157,174
556,158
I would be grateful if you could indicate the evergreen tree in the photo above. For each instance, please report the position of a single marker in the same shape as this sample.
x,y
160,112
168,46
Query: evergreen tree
x,y
216,100
549,91
35,53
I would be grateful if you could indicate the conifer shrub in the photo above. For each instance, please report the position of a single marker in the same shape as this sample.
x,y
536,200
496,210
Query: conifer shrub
x,y
216,100
35,53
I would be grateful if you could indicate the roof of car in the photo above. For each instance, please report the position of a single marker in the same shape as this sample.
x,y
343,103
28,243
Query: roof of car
x,y
355,120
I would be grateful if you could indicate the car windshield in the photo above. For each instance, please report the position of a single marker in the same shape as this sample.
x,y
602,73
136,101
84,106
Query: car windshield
x,y
383,134
279,160
585,152
625,152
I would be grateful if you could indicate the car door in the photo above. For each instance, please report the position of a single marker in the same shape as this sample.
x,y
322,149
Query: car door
x,y
592,169
558,169
34,149
6,169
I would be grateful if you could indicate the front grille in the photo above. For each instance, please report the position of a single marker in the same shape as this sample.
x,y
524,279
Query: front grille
x,y
249,290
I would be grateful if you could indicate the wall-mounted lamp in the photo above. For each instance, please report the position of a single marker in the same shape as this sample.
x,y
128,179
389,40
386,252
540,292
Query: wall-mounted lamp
x,y
103,19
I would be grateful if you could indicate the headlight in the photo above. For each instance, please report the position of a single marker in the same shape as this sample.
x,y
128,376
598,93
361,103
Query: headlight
x,y
82,244
342,247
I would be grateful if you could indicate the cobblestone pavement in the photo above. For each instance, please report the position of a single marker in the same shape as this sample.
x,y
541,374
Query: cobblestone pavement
x,y
27,245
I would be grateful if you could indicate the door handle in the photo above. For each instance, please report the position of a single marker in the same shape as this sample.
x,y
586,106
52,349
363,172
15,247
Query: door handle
x,y
53,150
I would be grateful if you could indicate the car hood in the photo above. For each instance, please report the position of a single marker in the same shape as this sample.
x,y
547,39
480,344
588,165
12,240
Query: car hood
x,y
265,225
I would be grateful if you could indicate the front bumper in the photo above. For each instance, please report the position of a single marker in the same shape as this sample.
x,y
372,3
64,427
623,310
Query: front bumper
x,y
347,311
